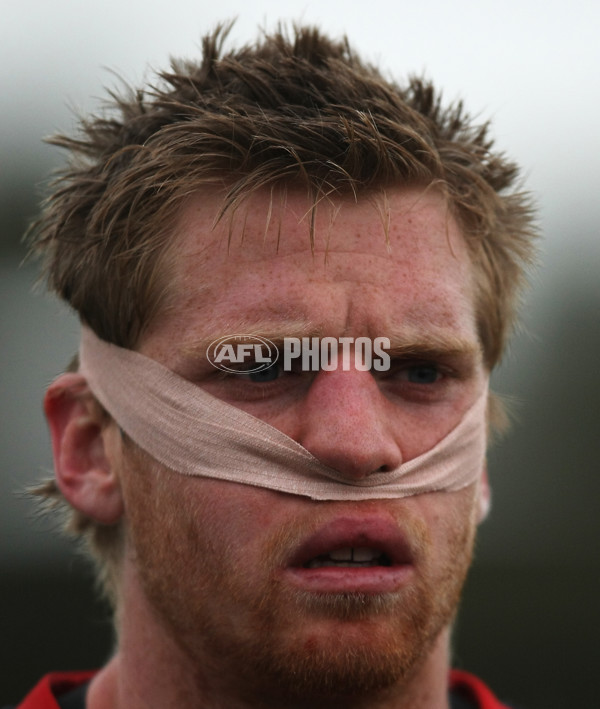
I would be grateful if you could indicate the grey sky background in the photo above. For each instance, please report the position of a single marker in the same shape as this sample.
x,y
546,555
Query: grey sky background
x,y
531,66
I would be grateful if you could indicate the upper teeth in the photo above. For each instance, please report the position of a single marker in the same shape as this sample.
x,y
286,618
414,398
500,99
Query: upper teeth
x,y
354,554
348,556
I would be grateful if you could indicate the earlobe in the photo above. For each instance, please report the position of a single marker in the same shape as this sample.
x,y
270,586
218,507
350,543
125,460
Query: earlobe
x,y
84,471
485,496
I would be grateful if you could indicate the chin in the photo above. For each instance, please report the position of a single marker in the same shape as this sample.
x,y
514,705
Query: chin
x,y
346,645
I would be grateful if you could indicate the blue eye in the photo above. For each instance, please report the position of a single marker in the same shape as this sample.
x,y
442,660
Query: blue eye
x,y
422,374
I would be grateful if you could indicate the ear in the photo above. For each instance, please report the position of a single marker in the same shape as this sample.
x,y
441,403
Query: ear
x,y
82,461
485,496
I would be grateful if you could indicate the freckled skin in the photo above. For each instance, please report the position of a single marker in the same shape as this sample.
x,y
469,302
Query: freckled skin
x,y
207,555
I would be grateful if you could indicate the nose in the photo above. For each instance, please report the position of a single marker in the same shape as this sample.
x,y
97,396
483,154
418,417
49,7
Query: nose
x,y
348,424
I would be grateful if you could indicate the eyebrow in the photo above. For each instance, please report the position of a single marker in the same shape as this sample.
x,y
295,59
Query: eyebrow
x,y
406,341
275,331
433,342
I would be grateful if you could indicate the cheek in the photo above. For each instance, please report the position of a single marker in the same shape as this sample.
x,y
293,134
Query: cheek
x,y
451,518
234,517
465,529
188,523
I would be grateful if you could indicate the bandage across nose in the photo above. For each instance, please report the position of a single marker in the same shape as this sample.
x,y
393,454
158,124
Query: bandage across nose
x,y
192,432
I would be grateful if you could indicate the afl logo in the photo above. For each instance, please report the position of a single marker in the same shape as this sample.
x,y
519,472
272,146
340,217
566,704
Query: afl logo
x,y
242,353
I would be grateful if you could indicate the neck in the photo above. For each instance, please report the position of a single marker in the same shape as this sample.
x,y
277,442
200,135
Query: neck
x,y
150,670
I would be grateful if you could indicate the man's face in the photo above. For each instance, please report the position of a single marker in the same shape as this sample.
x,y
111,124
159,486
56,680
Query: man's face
x,y
254,585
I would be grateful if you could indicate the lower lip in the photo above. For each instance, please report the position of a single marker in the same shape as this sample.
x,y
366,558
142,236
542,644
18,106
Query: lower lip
x,y
343,579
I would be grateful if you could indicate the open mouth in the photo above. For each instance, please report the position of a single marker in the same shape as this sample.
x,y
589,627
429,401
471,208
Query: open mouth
x,y
364,553
350,557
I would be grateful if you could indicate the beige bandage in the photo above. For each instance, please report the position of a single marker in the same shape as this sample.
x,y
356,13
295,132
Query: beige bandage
x,y
192,432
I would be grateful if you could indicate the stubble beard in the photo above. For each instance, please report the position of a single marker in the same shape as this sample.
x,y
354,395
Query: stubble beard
x,y
362,645
293,648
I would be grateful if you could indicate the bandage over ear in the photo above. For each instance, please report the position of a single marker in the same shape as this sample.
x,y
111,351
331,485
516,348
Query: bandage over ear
x,y
194,433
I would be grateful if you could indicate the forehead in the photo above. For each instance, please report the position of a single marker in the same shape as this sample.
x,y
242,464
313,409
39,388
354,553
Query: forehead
x,y
392,258
286,220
